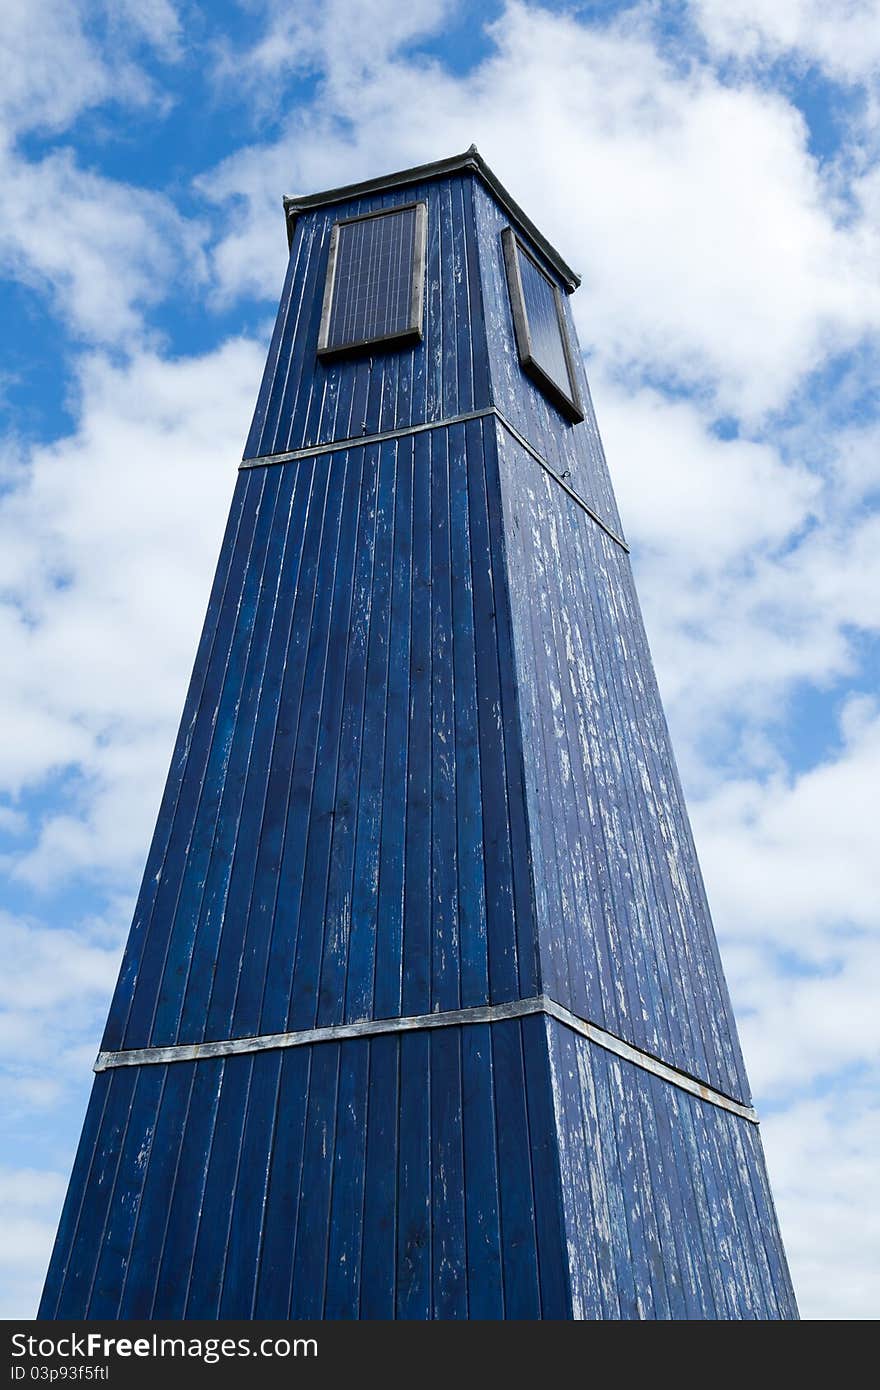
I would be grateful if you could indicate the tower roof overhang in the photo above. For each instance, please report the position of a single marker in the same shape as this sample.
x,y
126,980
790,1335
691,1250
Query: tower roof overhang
x,y
471,160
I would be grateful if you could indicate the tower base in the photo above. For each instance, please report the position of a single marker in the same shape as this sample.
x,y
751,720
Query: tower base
x,y
510,1169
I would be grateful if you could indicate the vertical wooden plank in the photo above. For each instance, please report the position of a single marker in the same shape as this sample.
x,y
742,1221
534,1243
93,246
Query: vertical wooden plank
x,y
690,1255
746,1218
348,628
414,1179
504,908
224,1165
683,1284
349,1169
155,933
671,1031
521,875
350,991
449,1269
437,327
538,689
445,962
139,1285
482,394
739,1276
641,1141
522,1293
481,1181
77,1193
449,277
254,446
553,1262
417,875
257,1001
458,292
312,385
587,1236
247,1196
94,1211
468,802
383,1159
196,952
689,1162
189,1190
627,1263
312,1232
228,752
604,1202
239,964
336,961
120,1004
275,1274
284,881
273,434
387,989
647,1022
114,1248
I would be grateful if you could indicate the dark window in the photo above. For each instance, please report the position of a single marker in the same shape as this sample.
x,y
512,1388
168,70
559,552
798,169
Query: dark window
x,y
539,323
375,281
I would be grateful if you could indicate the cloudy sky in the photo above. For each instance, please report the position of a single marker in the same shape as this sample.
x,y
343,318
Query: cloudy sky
x,y
711,169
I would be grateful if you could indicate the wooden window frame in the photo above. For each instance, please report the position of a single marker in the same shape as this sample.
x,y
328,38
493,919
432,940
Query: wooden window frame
x,y
407,336
569,404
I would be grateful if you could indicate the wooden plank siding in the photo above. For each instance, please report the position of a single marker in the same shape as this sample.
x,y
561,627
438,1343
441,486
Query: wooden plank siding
x,y
667,1205
571,449
422,766
626,938
273,1189
304,401
303,1201
343,836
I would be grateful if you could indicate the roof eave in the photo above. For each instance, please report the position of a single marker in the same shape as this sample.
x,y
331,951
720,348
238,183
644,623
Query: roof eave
x,y
422,173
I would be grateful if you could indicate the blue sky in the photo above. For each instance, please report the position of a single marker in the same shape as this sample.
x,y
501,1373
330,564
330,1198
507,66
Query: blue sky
x,y
711,169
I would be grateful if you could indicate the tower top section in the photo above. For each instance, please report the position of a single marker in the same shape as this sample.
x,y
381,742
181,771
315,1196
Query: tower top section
x,y
472,160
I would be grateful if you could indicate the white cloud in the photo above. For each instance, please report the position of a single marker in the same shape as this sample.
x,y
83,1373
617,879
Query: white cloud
x,y
711,245
30,1201
823,1160
689,494
102,249
107,544
56,986
341,40
46,968
157,22
793,857
842,36
715,251
758,563
52,66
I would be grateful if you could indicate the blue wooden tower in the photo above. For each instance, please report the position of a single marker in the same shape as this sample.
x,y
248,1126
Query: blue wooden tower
x,y
421,1013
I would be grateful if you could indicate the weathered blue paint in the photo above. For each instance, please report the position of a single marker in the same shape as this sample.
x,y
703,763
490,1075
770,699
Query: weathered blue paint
x,y
422,766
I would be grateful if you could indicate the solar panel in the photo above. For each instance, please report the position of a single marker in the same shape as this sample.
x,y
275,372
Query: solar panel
x,y
539,324
374,280
545,331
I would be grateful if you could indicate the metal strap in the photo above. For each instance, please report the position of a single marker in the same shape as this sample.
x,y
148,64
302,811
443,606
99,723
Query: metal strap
x,y
375,1027
361,440
355,441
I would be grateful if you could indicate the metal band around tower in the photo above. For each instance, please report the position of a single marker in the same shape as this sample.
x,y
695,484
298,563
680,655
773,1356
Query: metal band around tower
x,y
362,440
412,1023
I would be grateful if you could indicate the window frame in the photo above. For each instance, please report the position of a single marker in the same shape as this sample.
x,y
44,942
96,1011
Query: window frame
x,y
413,332
569,404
